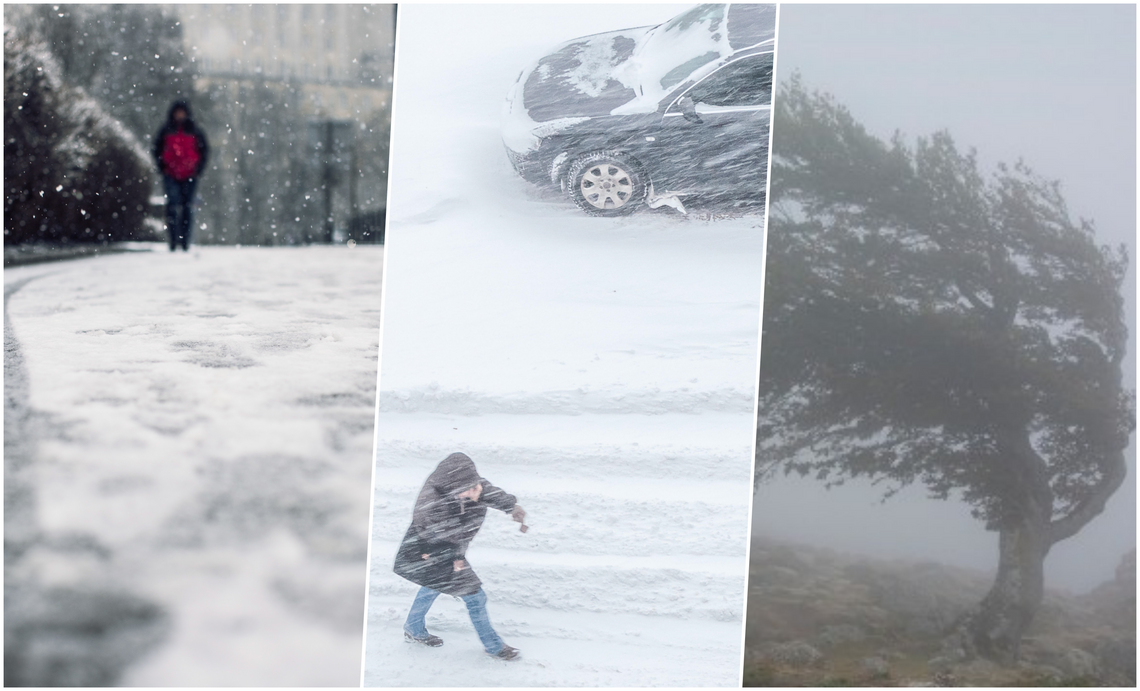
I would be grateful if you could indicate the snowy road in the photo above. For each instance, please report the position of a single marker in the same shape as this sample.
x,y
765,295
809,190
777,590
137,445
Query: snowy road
x,y
602,370
195,433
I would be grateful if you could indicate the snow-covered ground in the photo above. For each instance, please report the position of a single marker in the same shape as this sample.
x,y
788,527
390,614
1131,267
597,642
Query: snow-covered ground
x,y
197,446
603,370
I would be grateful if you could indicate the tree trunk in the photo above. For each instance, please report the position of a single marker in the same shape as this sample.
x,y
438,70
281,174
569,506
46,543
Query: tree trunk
x,y
995,629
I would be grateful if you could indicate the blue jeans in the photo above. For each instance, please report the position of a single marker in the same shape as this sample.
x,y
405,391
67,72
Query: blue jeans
x,y
179,197
476,607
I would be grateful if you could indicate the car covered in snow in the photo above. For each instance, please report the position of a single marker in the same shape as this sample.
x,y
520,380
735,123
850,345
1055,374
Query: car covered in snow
x,y
651,115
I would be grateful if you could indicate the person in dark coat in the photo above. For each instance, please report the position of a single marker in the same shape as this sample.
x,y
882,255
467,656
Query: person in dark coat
x,y
180,150
449,512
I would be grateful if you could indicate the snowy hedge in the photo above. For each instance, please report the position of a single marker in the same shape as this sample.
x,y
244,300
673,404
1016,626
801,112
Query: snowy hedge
x,y
72,173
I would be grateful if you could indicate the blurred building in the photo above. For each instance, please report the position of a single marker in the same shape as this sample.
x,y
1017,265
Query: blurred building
x,y
298,104
340,55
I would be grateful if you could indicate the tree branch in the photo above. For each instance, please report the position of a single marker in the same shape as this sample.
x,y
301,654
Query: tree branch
x,y
1092,505
972,298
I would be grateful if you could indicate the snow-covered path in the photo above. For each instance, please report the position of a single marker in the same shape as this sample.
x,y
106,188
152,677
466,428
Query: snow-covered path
x,y
202,433
602,370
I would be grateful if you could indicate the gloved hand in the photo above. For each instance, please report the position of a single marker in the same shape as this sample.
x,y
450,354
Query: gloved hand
x,y
519,516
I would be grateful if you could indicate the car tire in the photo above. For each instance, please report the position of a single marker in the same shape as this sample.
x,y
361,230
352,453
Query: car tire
x,y
607,183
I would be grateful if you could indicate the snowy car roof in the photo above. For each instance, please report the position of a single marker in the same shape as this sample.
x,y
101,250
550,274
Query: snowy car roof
x,y
632,70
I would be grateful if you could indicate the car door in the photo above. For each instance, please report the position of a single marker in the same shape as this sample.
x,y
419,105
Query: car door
x,y
718,128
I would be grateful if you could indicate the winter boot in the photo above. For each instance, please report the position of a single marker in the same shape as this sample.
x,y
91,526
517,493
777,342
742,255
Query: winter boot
x,y
507,653
428,640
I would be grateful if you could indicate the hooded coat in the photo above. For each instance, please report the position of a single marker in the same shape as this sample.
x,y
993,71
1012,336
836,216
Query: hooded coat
x,y
188,126
444,524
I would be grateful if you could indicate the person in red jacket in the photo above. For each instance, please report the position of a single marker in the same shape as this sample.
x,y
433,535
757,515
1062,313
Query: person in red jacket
x,y
180,151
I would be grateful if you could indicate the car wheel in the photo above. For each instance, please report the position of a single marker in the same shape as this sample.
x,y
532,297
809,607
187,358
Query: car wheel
x,y
607,183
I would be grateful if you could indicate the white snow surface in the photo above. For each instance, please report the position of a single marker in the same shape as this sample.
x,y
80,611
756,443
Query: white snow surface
x,y
209,423
602,370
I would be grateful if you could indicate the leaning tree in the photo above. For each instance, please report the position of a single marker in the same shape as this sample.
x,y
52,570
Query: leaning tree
x,y
926,323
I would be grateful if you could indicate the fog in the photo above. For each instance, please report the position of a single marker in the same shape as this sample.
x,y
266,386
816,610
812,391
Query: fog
x,y
1054,85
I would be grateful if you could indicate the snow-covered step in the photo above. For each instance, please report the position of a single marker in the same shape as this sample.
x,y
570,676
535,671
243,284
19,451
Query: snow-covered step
x,y
448,618
672,586
709,446
537,482
593,523
585,400
623,460
558,648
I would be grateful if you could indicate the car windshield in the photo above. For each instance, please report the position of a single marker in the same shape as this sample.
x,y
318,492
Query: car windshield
x,y
711,14
749,25
694,36
631,71
701,36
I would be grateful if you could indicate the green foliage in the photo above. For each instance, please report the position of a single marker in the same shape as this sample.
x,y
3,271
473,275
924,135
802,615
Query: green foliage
x,y
926,322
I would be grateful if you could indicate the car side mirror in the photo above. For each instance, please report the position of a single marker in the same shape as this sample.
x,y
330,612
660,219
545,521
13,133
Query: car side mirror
x,y
688,109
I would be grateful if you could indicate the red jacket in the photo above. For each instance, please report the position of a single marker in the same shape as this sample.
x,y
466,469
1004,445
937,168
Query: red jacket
x,y
181,151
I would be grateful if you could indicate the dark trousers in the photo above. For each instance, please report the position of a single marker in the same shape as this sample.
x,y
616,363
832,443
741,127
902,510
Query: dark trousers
x,y
179,197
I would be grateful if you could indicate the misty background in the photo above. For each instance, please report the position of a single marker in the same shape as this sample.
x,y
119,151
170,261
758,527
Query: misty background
x,y
1053,85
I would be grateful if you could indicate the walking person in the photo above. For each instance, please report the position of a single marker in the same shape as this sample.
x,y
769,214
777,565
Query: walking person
x,y
449,512
180,151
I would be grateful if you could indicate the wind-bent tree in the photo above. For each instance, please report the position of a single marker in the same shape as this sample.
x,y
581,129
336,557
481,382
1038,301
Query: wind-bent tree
x,y
925,323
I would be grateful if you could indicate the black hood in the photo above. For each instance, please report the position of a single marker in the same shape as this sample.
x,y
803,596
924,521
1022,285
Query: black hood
x,y
454,474
184,105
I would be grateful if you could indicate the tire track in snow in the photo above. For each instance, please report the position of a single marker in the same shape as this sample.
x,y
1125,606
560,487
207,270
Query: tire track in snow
x,y
82,634
19,500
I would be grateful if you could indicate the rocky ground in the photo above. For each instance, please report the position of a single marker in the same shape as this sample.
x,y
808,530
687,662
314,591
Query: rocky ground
x,y
817,617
